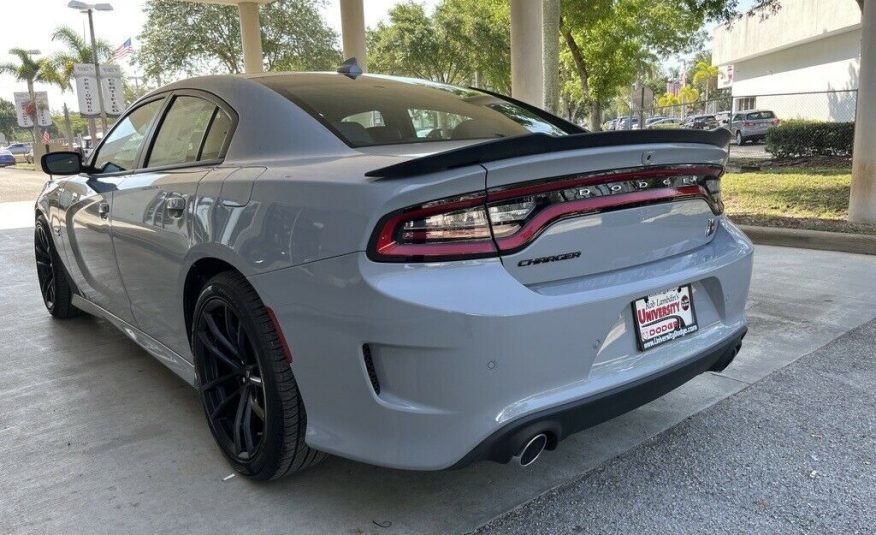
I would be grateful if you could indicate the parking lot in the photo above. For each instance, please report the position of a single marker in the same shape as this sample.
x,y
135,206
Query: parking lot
x,y
98,433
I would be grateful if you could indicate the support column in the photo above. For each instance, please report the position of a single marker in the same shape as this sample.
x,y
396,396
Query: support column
x,y
251,37
353,31
527,70
862,204
551,54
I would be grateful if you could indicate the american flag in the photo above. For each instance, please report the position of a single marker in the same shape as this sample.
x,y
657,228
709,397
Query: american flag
x,y
123,50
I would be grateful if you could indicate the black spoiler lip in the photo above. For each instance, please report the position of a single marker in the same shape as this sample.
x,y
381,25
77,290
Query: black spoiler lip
x,y
530,144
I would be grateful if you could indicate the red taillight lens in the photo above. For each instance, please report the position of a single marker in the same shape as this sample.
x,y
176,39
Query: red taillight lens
x,y
777,122
447,229
520,213
504,220
748,123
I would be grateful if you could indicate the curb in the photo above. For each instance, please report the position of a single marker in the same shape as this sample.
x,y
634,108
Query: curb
x,y
812,239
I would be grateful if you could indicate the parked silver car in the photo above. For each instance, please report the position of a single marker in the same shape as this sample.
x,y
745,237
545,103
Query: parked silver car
x,y
752,125
332,280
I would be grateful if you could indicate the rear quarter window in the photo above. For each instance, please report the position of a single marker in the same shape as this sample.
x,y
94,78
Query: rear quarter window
x,y
761,115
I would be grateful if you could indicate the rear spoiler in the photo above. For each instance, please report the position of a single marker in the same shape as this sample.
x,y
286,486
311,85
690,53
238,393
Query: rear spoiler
x,y
530,144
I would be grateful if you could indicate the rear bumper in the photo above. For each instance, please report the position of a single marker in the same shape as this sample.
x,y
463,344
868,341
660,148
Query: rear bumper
x,y
463,351
560,422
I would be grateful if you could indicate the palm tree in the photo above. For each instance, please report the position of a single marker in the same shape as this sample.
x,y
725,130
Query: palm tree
x,y
30,70
704,74
78,51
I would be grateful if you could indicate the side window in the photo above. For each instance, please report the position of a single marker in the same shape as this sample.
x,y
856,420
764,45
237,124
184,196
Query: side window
x,y
179,138
120,149
219,129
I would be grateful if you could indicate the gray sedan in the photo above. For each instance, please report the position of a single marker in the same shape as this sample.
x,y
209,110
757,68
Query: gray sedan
x,y
752,125
334,279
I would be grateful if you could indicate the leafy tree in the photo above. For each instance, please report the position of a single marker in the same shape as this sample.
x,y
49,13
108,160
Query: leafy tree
x,y
78,50
195,38
8,120
706,76
462,42
609,41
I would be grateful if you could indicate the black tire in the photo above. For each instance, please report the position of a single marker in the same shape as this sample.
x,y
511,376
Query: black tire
x,y
55,286
739,139
242,371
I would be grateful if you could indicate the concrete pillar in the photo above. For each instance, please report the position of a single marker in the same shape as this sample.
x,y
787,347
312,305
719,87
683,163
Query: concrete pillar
x,y
353,31
527,70
251,37
551,54
862,204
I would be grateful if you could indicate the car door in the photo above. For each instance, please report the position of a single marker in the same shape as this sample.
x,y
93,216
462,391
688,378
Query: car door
x,y
153,211
86,203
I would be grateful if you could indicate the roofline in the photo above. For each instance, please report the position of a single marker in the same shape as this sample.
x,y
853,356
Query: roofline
x,y
786,46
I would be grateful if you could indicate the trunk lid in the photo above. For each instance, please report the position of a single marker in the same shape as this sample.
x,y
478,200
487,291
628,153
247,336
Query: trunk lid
x,y
575,213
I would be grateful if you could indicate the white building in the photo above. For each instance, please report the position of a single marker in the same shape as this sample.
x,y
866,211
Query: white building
x,y
801,61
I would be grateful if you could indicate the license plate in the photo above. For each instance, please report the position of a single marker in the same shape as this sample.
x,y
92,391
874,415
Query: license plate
x,y
664,316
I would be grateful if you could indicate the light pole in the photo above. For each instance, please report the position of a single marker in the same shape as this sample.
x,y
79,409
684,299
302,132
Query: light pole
x,y
89,8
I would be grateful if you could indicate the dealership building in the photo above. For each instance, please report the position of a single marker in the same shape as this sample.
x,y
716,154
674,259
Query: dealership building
x,y
801,61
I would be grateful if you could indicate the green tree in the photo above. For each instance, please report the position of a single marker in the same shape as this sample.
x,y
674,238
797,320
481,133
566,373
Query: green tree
x,y
706,76
8,120
607,42
190,38
462,42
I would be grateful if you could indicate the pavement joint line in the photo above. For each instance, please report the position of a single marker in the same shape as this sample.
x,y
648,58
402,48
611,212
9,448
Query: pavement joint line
x,y
722,376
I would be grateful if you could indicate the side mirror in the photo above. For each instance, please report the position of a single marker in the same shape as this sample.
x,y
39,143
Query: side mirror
x,y
61,163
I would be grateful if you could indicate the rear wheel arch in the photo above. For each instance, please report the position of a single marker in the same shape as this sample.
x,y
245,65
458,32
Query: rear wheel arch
x,y
201,271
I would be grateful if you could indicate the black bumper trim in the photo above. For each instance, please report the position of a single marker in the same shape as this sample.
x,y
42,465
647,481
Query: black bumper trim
x,y
561,421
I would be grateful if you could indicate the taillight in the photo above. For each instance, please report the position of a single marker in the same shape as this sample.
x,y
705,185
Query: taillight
x,y
748,123
776,122
447,229
519,213
507,219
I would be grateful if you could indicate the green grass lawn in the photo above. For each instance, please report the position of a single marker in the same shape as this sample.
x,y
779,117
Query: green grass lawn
x,y
815,199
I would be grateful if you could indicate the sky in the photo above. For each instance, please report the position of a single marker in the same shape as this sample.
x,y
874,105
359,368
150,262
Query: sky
x,y
29,24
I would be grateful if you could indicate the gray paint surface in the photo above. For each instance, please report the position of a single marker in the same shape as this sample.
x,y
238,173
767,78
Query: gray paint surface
x,y
98,436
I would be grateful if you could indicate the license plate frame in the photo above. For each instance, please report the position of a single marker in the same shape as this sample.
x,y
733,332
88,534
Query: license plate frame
x,y
664,316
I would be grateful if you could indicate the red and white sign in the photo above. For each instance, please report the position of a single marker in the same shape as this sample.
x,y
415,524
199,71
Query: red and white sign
x,y
27,109
664,316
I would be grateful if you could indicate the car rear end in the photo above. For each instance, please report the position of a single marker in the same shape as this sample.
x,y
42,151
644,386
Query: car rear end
x,y
572,286
504,293
754,125
6,158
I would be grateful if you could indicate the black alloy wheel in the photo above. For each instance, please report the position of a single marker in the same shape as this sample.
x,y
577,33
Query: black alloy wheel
x,y
232,389
246,384
55,287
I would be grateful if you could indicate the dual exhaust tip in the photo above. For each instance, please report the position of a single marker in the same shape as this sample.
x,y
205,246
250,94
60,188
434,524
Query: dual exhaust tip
x,y
531,451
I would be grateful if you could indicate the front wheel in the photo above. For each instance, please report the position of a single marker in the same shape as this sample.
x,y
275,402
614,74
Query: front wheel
x,y
55,287
739,140
245,383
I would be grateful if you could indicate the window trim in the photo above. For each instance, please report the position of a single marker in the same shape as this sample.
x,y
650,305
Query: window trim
x,y
89,168
226,143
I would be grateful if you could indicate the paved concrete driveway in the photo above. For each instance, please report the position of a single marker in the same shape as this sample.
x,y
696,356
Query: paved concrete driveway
x,y
99,437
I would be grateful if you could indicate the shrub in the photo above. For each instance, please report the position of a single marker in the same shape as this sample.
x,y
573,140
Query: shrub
x,y
809,138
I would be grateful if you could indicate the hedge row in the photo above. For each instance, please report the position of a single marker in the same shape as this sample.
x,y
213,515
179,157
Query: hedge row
x,y
808,138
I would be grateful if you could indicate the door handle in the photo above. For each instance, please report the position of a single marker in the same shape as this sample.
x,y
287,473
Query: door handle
x,y
103,210
175,206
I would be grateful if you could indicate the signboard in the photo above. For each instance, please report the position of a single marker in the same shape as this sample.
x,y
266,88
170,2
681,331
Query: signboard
x,y
26,111
86,89
725,76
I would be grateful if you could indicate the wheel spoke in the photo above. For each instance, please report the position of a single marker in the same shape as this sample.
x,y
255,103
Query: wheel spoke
x,y
224,403
219,335
238,418
247,425
219,380
257,410
211,347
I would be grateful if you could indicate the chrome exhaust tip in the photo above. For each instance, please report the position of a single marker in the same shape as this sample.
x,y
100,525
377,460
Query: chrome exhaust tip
x,y
531,451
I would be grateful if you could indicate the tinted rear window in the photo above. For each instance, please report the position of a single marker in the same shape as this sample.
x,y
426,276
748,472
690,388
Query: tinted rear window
x,y
760,115
374,110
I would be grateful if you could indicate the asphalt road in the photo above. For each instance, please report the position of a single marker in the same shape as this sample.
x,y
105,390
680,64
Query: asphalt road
x,y
793,453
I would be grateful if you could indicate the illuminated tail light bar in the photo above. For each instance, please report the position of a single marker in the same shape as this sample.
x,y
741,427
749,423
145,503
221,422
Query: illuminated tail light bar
x,y
507,219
